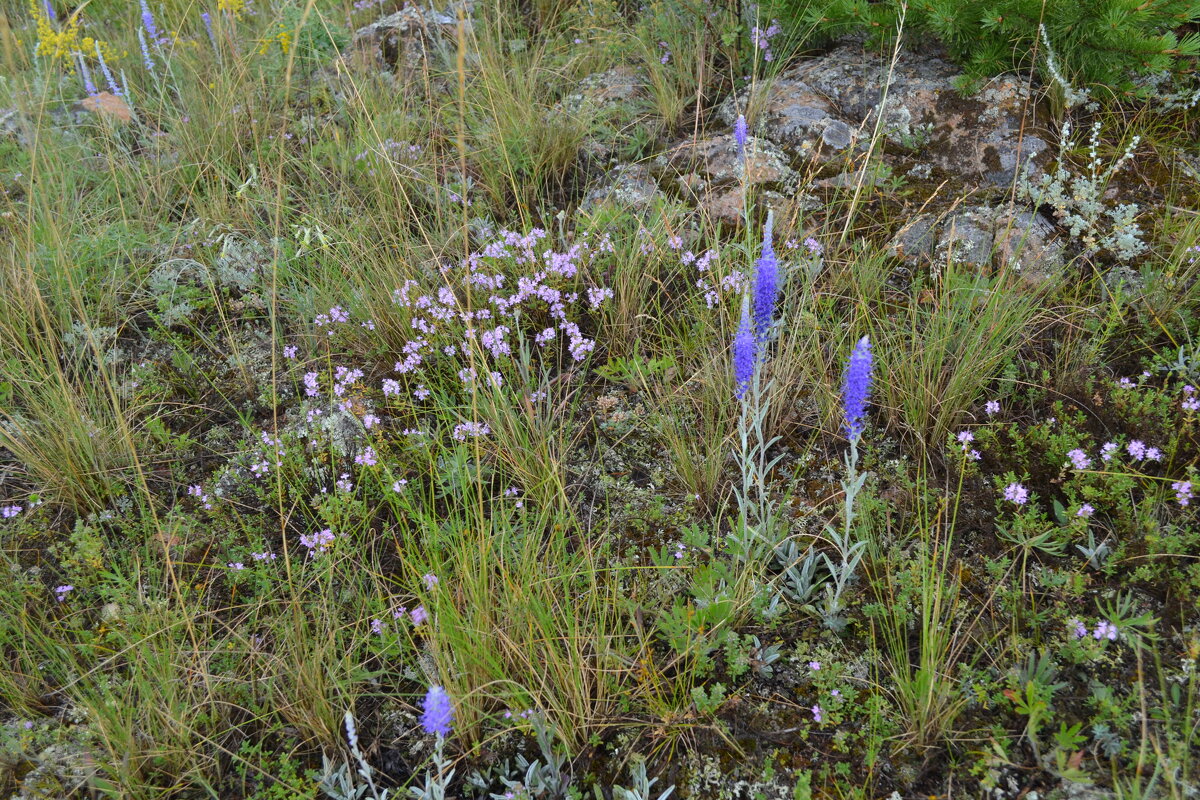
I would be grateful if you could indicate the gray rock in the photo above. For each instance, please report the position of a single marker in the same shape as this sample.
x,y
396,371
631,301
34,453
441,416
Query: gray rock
x,y
708,173
607,102
823,106
626,185
983,237
797,117
402,41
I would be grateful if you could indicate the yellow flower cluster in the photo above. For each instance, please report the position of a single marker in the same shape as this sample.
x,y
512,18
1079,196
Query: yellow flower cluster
x,y
283,37
234,7
64,42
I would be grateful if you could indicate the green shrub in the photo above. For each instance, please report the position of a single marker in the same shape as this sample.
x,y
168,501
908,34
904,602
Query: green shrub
x,y
1096,42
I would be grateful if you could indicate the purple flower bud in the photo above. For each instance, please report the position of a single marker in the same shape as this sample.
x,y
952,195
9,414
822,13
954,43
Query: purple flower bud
x,y
438,713
856,388
743,352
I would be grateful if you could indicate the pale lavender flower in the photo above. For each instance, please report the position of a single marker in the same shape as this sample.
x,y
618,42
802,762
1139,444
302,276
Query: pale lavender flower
x,y
991,408
208,26
289,352
1105,630
377,627
61,592
108,77
399,485
317,542
814,665
465,429
1079,459
1016,493
1107,450
1183,492
430,580
814,247
437,714
367,457
856,388
739,136
1136,449
236,566
146,59
419,615
8,512
1078,629
766,284
1085,510
817,713
744,347
86,74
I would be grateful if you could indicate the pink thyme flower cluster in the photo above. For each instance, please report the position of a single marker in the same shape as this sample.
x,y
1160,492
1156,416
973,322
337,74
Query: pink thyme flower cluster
x,y
445,322
318,542
965,438
1104,630
197,492
1190,402
1016,493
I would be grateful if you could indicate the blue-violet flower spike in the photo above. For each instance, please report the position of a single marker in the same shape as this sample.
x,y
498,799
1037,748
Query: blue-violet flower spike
x,y
766,283
739,136
148,22
743,352
438,713
857,387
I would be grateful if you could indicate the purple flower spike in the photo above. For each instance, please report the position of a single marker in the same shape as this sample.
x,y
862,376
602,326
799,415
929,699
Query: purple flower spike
x,y
857,387
438,713
148,22
743,352
739,136
766,284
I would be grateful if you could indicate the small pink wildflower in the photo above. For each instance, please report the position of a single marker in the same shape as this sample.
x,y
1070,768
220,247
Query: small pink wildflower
x,y
1016,493
1079,459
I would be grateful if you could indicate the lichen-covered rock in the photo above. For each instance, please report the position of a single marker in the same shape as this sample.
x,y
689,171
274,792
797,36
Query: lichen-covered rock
x,y
402,41
608,102
626,185
821,107
603,90
709,173
795,116
985,135
982,236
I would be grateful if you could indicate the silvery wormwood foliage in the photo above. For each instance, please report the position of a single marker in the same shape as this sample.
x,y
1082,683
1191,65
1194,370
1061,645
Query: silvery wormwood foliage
x,y
1078,200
